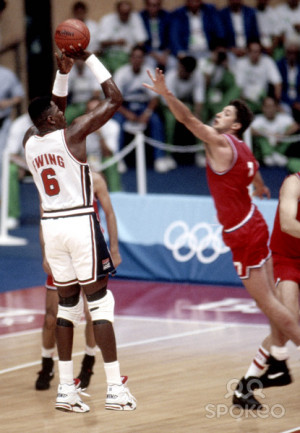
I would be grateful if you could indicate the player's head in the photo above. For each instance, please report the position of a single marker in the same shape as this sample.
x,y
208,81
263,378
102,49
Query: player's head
x,y
45,113
244,115
233,119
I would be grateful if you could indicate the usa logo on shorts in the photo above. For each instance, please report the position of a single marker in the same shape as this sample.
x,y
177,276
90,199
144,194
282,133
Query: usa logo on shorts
x,y
105,263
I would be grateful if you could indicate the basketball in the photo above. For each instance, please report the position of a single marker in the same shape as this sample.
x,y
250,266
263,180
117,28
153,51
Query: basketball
x,y
72,32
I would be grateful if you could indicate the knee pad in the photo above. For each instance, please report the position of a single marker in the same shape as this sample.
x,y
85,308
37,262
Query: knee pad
x,y
70,313
102,309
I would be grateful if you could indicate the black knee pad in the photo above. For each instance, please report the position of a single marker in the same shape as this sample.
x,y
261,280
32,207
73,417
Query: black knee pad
x,y
97,295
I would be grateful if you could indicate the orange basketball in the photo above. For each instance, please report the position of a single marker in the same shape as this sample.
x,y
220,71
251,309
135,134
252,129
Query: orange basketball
x,y
72,32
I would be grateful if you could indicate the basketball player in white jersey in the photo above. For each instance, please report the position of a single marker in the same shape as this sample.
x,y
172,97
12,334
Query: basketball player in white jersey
x,y
74,244
46,374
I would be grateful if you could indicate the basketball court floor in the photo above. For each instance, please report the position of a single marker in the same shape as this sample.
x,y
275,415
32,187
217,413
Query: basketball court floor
x,y
183,346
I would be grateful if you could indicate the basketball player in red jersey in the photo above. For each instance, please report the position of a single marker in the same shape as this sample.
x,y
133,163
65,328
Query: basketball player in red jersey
x,y
48,333
231,168
285,246
74,244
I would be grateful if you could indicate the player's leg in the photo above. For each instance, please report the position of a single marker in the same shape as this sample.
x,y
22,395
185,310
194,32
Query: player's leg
x,y
60,238
89,358
101,303
70,310
46,374
261,288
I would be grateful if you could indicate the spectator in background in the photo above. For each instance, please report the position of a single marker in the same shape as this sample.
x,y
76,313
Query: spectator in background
x,y
17,167
82,87
195,29
101,145
267,26
157,24
119,32
240,26
289,68
257,75
288,21
220,82
11,95
80,11
139,109
187,83
269,130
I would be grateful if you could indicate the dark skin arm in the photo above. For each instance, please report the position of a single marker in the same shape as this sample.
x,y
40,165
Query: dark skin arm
x,y
84,125
64,65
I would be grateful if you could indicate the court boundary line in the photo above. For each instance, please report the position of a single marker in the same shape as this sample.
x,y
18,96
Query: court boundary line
x,y
294,430
126,345
152,319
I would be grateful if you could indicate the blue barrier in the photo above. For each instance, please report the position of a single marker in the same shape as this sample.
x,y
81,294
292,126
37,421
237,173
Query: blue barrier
x,y
175,238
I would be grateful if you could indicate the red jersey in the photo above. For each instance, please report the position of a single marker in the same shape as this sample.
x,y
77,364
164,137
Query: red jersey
x,y
283,243
230,189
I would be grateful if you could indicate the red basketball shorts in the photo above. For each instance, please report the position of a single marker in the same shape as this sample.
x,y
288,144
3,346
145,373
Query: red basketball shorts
x,y
249,244
286,268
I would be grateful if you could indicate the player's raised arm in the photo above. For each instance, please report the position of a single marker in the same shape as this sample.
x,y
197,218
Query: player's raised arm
x,y
181,112
92,121
60,86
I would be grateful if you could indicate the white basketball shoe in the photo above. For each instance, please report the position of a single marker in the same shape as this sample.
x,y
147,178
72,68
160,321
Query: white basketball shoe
x,y
68,399
119,397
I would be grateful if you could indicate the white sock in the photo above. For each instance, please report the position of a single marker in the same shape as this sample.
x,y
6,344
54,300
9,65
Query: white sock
x,y
91,350
112,371
48,353
66,375
279,352
258,364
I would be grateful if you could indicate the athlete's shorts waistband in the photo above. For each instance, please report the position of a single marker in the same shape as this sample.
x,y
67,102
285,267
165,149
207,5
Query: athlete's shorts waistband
x,y
68,212
246,219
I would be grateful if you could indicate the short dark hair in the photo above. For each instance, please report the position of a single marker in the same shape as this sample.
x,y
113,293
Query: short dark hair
x,y
189,63
38,108
138,47
244,115
79,5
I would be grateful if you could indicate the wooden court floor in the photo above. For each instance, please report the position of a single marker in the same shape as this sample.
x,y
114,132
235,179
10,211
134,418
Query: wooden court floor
x,y
182,368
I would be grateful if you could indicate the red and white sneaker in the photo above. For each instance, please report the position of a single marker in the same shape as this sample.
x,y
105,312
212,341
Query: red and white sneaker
x,y
68,399
119,397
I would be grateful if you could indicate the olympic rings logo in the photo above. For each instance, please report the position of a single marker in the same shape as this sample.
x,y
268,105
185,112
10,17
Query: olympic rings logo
x,y
202,240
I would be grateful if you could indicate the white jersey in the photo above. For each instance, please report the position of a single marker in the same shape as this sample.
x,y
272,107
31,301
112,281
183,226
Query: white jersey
x,y
64,183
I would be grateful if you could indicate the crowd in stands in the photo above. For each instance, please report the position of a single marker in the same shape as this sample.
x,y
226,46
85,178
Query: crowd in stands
x,y
210,55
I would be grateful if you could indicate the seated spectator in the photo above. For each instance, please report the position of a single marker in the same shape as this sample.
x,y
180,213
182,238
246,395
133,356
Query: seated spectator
x,y
186,82
257,76
220,83
119,32
289,68
157,24
139,109
17,167
195,29
80,11
269,131
267,26
11,95
101,146
82,87
240,26
288,19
